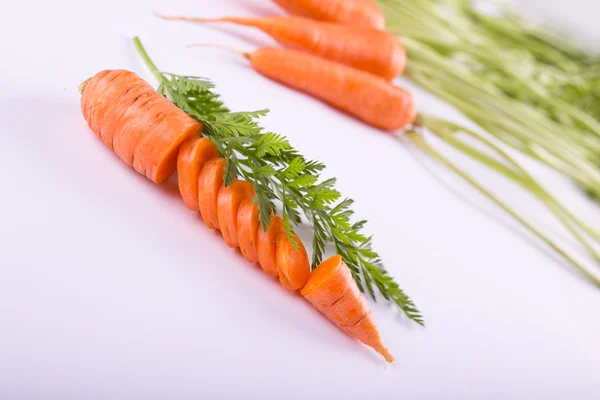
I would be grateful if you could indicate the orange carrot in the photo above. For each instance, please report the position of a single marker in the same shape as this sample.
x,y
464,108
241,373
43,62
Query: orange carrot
x,y
209,184
194,153
332,290
292,264
367,97
138,123
152,142
229,200
352,12
247,229
266,245
374,51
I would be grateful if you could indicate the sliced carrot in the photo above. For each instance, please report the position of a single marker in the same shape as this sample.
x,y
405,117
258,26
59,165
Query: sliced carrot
x,y
139,118
350,308
332,290
266,245
292,264
125,111
248,225
194,153
209,184
228,204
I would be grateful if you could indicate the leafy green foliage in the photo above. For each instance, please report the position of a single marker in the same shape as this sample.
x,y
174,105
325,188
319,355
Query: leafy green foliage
x,y
525,84
279,173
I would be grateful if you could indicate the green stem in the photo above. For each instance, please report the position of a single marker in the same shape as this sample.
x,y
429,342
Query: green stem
x,y
518,176
420,142
149,63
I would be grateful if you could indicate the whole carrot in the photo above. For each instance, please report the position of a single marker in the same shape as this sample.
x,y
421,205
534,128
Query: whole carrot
x,y
352,12
365,96
374,51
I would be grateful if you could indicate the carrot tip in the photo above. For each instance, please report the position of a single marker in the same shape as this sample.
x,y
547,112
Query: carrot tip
x,y
380,348
82,85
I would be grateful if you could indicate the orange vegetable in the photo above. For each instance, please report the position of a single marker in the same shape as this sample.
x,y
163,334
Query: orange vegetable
x,y
266,245
352,12
148,132
139,124
370,98
374,51
292,264
209,184
194,153
332,290
247,229
229,200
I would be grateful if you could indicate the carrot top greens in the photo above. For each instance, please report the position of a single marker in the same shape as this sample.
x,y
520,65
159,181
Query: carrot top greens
x,y
279,172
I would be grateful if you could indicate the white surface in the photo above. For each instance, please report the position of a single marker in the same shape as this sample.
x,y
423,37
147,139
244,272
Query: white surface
x,y
110,288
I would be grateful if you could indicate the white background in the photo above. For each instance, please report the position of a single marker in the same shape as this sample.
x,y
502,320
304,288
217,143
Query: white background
x,y
110,288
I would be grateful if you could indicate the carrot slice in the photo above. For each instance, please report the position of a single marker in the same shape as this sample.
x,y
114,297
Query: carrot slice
x,y
293,266
134,126
266,245
228,204
209,184
327,283
194,153
248,225
156,154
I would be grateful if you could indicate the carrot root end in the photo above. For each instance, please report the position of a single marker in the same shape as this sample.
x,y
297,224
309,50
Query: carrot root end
x,y
380,348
